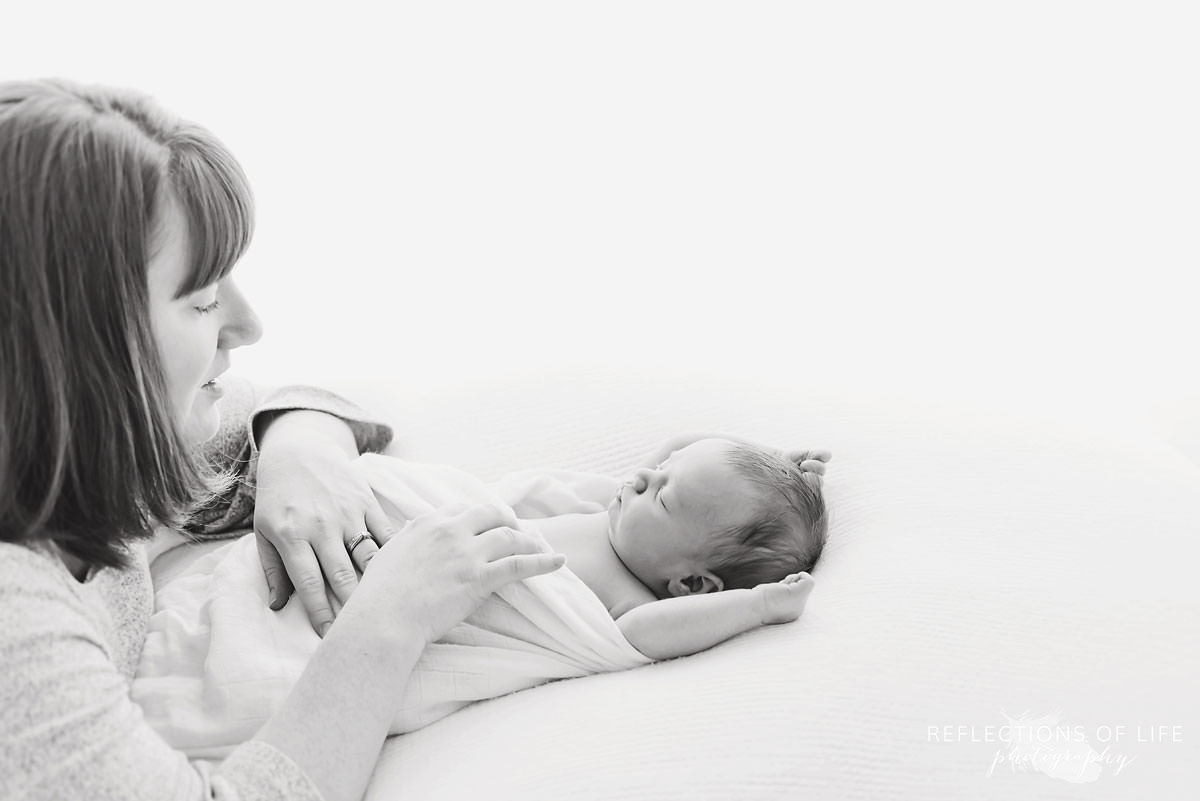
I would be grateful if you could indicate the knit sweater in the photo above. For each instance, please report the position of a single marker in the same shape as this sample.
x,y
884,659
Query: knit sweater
x,y
69,649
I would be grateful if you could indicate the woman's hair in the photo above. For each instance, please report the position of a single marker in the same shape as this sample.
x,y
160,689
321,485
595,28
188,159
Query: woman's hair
x,y
90,452
788,531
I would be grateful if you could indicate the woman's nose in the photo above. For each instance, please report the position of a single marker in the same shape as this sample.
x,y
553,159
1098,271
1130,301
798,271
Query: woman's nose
x,y
241,325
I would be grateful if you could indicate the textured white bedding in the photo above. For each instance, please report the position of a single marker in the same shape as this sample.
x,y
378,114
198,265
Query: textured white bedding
x,y
977,567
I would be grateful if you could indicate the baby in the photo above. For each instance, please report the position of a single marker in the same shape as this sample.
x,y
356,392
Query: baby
x,y
713,541
709,540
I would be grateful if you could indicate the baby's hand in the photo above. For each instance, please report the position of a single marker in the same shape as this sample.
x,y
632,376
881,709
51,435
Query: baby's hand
x,y
784,600
809,461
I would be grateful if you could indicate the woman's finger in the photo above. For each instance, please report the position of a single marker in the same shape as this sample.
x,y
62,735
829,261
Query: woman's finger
x,y
336,565
306,576
363,553
378,523
503,541
279,586
483,517
515,568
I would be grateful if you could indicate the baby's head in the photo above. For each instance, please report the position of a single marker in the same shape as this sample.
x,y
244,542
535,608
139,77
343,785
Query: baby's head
x,y
717,515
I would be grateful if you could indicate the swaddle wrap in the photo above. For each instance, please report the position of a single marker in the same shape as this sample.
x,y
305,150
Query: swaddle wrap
x,y
218,662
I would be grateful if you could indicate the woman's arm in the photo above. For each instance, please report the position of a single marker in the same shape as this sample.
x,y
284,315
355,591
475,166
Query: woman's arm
x,y
418,586
692,623
69,728
336,718
247,412
291,450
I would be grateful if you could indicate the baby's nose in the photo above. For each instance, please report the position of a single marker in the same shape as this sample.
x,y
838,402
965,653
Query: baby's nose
x,y
640,482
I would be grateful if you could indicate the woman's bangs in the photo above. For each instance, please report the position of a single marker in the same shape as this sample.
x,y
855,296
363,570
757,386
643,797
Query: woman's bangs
x,y
218,203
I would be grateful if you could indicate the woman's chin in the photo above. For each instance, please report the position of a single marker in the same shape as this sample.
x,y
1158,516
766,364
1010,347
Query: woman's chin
x,y
202,424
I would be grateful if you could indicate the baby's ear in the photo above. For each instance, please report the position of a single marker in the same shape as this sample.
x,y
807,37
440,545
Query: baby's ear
x,y
699,584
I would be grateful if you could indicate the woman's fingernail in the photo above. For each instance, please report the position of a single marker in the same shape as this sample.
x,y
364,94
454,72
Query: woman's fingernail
x,y
325,628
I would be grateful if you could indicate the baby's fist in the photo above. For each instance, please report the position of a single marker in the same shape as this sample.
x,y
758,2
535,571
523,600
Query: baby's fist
x,y
809,461
784,600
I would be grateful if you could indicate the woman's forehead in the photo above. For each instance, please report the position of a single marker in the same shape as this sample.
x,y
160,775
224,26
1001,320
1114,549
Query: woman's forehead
x,y
168,268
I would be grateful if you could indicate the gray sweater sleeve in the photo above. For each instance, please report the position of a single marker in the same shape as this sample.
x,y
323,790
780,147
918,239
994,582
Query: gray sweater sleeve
x,y
67,725
234,448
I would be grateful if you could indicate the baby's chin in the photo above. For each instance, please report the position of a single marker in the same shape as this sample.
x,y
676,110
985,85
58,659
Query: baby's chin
x,y
614,516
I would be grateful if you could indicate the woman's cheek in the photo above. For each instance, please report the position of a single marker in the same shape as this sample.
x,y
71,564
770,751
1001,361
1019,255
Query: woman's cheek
x,y
186,350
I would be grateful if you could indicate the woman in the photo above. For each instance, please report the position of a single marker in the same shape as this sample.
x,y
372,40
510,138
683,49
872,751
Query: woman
x,y
119,226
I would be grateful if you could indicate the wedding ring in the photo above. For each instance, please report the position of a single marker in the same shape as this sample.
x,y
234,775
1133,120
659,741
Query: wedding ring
x,y
357,539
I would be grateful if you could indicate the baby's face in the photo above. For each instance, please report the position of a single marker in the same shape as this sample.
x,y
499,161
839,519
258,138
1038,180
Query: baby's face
x,y
662,519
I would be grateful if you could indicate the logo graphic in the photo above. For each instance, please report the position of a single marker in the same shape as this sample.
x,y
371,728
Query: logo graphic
x,y
1042,744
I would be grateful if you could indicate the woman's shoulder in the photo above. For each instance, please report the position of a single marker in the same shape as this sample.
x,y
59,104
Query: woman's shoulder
x,y
42,603
36,594
31,567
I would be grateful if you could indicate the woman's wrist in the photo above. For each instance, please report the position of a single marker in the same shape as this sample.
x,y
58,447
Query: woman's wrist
x,y
376,636
304,425
338,713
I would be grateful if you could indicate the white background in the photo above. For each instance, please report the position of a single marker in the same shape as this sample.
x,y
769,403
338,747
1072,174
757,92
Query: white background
x,y
987,200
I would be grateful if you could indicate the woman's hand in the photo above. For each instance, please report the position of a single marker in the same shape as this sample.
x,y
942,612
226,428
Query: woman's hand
x,y
308,504
436,570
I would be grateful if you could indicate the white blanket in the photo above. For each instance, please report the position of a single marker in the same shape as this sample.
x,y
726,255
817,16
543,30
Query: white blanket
x,y
217,662
982,565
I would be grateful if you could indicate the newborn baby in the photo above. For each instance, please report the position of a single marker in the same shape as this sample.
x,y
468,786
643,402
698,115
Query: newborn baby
x,y
710,541
714,541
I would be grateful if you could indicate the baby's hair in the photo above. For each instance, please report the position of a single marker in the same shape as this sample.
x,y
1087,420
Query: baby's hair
x,y
788,531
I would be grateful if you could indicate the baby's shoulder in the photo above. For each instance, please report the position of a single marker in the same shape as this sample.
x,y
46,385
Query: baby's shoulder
x,y
635,599
623,591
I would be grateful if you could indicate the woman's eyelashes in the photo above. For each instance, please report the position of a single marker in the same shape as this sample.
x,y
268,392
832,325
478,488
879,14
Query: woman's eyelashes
x,y
203,294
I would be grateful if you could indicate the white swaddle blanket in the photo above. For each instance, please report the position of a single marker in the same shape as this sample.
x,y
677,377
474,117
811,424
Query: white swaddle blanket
x,y
217,662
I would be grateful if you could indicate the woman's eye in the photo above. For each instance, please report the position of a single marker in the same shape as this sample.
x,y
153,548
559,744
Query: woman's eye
x,y
212,307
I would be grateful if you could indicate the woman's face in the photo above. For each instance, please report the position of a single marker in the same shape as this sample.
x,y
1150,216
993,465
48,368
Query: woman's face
x,y
196,332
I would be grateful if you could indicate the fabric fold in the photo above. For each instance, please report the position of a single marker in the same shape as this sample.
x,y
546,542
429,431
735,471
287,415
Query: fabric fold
x,y
217,662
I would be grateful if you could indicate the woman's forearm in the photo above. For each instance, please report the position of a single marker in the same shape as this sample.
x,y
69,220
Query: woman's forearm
x,y
681,626
305,424
335,720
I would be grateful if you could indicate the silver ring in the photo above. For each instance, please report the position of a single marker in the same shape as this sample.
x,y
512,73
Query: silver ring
x,y
357,540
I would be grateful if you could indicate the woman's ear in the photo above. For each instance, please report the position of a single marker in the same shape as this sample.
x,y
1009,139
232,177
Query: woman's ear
x,y
697,584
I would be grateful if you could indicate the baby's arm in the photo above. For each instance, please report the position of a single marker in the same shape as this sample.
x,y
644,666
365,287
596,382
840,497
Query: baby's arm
x,y
680,626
